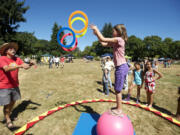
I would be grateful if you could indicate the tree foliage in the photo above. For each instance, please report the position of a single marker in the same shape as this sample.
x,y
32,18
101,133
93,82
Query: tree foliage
x,y
11,14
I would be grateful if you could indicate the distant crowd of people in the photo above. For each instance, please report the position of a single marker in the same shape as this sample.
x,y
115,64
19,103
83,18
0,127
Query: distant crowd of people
x,y
58,61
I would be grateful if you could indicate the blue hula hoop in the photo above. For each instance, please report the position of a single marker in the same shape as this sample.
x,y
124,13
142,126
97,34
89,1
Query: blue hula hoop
x,y
58,40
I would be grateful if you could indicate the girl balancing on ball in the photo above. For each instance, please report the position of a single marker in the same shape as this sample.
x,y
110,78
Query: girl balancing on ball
x,y
118,43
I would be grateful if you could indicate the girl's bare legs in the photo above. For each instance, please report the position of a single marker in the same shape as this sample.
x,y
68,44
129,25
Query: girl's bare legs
x,y
150,99
147,93
138,93
130,91
118,109
119,101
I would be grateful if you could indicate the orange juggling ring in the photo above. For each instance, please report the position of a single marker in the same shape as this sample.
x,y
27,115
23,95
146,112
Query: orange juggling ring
x,y
81,13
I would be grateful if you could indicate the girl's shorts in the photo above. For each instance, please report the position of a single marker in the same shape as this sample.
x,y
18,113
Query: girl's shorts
x,y
120,76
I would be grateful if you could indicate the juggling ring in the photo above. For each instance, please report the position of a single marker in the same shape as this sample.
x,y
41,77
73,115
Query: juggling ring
x,y
24,128
74,37
86,24
71,49
81,19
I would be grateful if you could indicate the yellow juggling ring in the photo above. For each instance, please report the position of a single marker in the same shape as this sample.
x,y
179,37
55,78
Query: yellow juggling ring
x,y
81,19
86,19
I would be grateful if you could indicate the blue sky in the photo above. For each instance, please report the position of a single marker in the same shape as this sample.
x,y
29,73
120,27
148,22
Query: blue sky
x,y
141,17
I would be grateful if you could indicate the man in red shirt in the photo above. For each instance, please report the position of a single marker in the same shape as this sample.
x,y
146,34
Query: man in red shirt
x,y
9,83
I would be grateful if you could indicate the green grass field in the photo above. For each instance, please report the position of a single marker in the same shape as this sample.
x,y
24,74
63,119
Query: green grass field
x,y
43,89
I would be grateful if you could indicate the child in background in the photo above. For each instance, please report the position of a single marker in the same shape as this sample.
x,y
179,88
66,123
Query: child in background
x,y
150,82
137,81
105,76
118,43
50,62
142,65
156,65
109,65
62,61
105,80
56,60
125,87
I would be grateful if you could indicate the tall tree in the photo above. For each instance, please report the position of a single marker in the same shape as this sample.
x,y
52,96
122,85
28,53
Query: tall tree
x,y
41,46
11,14
165,49
56,49
153,44
135,48
175,50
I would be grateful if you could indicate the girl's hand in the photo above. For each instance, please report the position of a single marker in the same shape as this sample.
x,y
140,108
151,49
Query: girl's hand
x,y
93,27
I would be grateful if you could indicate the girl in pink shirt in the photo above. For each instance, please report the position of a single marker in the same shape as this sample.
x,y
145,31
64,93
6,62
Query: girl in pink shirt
x,y
118,43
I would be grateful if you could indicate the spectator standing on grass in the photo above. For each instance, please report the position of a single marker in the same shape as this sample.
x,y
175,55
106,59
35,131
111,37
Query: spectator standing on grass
x,y
56,60
62,59
105,80
105,76
50,62
150,82
156,65
126,81
142,65
109,65
138,79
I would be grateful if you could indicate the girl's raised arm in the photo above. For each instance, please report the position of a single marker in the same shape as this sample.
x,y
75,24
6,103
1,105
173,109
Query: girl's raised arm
x,y
105,44
101,37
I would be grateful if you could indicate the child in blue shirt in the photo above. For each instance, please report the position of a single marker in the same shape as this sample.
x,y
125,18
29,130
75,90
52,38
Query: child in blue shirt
x,y
137,81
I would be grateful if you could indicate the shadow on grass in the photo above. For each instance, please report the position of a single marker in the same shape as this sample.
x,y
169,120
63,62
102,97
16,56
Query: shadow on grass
x,y
100,90
14,128
99,82
22,107
104,92
93,114
163,110
89,110
60,103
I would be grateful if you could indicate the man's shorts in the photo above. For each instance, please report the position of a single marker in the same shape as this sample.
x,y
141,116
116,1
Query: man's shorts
x,y
9,95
